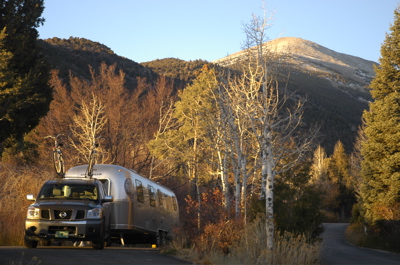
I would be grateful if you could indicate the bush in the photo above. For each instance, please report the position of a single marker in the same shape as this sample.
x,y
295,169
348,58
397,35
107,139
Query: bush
x,y
16,182
250,248
355,234
219,237
384,234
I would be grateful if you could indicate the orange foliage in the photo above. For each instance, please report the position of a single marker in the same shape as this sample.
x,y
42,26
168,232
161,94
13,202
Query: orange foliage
x,y
215,226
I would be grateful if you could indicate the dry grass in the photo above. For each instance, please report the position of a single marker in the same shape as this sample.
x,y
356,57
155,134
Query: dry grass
x,y
16,183
251,249
355,234
384,234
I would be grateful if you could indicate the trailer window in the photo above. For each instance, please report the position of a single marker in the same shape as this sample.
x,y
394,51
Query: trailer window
x,y
139,191
160,197
152,196
174,203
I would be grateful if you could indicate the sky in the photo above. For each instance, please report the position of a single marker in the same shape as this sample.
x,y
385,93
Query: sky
x,y
146,30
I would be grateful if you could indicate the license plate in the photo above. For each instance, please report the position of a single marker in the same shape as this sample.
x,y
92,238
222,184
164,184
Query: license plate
x,y
61,234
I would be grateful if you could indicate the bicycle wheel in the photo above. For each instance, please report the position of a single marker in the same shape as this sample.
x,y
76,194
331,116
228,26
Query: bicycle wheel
x,y
58,162
92,162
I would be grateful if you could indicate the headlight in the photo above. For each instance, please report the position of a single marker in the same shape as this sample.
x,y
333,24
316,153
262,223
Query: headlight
x,y
95,213
33,213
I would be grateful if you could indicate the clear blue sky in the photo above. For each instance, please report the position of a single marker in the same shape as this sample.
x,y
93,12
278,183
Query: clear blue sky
x,y
145,30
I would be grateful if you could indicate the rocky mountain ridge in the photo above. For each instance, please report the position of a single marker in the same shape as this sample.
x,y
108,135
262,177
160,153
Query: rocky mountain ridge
x,y
335,85
310,57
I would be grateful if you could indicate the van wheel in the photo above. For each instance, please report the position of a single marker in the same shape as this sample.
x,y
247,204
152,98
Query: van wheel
x,y
98,244
108,235
29,243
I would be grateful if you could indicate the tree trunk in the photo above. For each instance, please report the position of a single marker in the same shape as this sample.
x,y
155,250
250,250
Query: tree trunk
x,y
268,174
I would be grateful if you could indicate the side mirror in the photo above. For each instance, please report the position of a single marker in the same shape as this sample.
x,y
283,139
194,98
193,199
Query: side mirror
x,y
30,197
108,199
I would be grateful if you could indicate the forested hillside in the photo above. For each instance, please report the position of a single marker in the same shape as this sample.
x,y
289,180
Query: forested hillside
x,y
336,108
76,55
335,85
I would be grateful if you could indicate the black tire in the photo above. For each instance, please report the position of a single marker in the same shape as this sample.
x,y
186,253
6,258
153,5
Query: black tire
x,y
58,163
98,244
108,234
29,243
161,239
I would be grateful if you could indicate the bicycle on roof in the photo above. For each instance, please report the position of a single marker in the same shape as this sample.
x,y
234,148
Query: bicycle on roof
x,y
92,160
58,160
92,157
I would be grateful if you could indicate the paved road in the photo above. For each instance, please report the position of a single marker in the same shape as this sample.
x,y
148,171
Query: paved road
x,y
85,255
337,251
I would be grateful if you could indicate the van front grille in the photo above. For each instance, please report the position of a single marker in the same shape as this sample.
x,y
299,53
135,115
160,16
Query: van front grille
x,y
45,214
62,214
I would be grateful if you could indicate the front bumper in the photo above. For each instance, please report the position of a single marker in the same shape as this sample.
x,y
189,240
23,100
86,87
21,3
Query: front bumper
x,y
83,230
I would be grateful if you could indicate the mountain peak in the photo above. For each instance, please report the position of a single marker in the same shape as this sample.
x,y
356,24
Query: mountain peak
x,y
311,57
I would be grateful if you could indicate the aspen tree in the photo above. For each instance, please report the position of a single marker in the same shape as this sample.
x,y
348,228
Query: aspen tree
x,y
273,116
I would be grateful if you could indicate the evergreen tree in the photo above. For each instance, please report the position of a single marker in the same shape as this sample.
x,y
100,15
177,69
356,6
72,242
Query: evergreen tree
x,y
24,91
185,142
380,188
339,174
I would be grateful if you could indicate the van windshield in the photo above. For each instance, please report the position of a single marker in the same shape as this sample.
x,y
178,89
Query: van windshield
x,y
68,191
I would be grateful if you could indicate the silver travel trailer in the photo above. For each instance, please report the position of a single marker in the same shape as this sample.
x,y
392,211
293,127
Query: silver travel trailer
x,y
142,210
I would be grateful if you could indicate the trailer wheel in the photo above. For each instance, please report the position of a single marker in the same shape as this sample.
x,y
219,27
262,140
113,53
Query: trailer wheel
x,y
161,238
29,243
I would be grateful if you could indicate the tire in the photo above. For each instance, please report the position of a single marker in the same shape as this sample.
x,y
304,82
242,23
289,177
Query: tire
x,y
98,244
58,163
29,243
161,239
108,235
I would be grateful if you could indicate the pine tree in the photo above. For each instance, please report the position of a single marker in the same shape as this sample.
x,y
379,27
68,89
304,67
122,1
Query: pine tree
x,y
380,188
339,175
24,91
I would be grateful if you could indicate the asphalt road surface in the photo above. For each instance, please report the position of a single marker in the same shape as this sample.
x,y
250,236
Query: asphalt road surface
x,y
337,250
83,255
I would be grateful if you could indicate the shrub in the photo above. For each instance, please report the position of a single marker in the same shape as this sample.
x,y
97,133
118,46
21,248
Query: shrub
x,y
16,182
249,247
384,234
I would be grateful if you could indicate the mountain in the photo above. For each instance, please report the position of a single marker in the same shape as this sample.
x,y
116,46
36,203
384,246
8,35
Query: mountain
x,y
335,85
182,72
75,55
317,60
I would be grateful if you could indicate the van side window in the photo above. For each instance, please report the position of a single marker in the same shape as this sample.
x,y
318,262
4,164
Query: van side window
x,y
174,203
160,197
139,190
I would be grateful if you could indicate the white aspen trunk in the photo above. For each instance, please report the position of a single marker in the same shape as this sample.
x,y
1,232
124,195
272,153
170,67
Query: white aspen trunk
x,y
244,187
237,191
196,178
263,185
223,173
267,170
